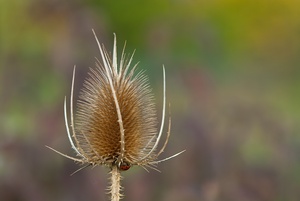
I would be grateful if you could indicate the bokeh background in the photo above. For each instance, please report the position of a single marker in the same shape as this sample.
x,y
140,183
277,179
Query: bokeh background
x,y
233,81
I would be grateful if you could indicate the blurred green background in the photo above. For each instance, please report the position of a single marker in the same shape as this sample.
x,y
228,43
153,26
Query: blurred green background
x,y
233,81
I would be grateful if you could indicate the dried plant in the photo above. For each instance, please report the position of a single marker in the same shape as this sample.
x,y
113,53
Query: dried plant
x,y
116,119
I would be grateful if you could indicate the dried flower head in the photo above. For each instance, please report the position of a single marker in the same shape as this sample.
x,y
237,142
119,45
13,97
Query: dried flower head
x,y
116,119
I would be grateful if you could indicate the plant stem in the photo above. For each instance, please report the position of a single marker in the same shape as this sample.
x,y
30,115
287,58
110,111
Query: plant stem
x,y
115,187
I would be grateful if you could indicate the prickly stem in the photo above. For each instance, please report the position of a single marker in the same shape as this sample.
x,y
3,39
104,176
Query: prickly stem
x,y
115,186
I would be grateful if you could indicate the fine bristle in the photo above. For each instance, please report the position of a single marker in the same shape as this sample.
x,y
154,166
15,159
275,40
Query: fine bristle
x,y
97,121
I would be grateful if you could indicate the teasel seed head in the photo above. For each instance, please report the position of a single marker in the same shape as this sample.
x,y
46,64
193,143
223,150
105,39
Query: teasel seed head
x,y
116,123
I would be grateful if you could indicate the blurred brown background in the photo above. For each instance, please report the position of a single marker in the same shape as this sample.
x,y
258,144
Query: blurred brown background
x,y
233,81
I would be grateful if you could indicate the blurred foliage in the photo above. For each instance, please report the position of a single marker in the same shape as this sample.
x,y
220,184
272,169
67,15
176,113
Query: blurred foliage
x,y
233,81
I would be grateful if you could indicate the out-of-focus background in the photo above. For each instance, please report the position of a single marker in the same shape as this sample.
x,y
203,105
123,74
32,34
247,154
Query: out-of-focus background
x,y
233,81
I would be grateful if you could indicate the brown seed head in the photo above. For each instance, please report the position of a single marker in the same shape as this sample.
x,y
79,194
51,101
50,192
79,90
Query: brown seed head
x,y
98,124
116,118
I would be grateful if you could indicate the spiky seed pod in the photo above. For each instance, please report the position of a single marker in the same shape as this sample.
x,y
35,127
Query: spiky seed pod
x,y
116,118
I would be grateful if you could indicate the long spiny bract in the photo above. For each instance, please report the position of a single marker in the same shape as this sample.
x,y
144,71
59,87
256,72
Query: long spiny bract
x,y
112,74
77,149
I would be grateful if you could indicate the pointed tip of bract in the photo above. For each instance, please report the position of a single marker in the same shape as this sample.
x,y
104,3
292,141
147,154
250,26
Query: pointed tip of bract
x,y
115,58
